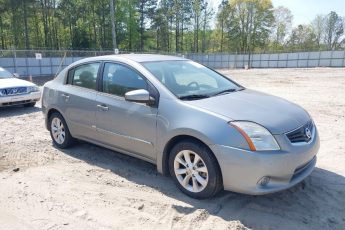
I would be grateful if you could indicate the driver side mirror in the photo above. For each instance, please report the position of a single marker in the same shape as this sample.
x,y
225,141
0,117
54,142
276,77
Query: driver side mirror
x,y
140,96
16,75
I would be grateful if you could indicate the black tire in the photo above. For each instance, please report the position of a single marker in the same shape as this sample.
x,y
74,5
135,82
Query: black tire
x,y
68,139
32,104
214,183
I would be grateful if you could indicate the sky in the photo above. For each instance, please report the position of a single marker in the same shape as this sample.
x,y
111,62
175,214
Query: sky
x,y
304,11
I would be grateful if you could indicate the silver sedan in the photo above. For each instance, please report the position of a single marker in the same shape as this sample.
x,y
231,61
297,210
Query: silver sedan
x,y
205,130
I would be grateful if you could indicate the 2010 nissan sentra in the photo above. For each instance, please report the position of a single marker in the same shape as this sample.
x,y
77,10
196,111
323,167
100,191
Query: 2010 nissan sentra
x,y
205,130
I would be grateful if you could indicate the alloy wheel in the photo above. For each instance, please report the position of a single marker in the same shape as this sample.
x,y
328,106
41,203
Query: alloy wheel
x,y
191,171
58,130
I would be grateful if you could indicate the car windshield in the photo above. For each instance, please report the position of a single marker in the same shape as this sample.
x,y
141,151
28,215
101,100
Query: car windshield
x,y
189,80
5,74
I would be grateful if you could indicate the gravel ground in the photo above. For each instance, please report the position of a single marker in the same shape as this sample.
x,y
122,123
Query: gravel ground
x,y
88,187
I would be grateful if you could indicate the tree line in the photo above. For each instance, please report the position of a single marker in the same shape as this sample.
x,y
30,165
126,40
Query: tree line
x,y
180,26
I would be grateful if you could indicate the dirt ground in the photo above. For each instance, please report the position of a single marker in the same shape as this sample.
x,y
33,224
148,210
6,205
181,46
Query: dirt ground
x,y
88,187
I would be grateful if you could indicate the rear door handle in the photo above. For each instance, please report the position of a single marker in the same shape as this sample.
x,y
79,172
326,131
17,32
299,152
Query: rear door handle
x,y
103,107
66,96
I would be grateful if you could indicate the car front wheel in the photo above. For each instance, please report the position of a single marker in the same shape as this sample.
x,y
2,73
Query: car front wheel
x,y
195,170
59,131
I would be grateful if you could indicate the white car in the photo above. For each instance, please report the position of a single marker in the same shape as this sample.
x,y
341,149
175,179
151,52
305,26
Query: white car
x,y
14,91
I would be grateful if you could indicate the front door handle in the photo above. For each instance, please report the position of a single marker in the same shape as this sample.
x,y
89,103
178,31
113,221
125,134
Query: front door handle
x,y
103,107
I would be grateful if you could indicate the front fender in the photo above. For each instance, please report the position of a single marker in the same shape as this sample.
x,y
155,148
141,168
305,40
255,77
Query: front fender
x,y
176,118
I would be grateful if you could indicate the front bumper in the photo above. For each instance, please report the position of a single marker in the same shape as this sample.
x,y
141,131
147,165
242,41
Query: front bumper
x,y
20,99
242,170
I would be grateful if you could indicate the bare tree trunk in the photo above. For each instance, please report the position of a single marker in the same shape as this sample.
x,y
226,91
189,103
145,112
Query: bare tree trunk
x,y
94,25
2,34
141,11
103,27
169,37
182,28
251,32
130,28
204,31
222,36
45,22
26,31
113,31
14,25
177,34
196,34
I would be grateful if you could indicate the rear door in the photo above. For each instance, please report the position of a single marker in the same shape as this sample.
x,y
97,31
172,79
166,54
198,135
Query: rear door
x,y
79,100
122,124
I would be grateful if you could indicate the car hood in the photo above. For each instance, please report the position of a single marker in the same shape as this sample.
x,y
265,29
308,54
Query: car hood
x,y
274,113
14,82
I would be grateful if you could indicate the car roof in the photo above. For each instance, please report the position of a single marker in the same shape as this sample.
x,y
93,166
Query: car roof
x,y
137,57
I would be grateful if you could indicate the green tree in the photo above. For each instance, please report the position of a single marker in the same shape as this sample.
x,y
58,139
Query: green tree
x,y
146,10
222,17
282,26
302,38
254,21
334,31
318,25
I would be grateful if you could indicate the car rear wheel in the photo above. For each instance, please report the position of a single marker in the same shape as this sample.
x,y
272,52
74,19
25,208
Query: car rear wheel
x,y
59,131
195,170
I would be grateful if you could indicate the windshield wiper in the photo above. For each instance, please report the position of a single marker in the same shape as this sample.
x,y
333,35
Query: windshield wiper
x,y
224,91
194,97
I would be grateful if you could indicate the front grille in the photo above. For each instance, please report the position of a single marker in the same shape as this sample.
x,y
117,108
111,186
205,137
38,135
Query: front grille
x,y
15,91
302,134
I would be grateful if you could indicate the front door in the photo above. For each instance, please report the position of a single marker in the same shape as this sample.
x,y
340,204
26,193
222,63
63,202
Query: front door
x,y
122,124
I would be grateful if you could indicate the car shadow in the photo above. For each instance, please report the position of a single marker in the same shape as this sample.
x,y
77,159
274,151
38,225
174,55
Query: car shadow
x,y
316,203
17,110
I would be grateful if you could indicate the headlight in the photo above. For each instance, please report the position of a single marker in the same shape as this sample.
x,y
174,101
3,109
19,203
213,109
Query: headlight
x,y
258,138
33,89
2,92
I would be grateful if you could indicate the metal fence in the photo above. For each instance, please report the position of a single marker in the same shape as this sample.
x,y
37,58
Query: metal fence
x,y
25,63
273,60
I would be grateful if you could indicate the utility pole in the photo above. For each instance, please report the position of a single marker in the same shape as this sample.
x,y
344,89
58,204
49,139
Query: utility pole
x,y
113,32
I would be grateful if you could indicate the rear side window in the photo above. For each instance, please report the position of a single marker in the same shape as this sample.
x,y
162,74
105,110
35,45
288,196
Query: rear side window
x,y
84,76
119,79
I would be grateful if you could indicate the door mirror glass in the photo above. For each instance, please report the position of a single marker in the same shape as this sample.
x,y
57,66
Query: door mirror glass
x,y
140,95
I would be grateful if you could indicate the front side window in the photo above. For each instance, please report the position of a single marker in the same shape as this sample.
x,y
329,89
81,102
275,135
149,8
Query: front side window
x,y
85,75
190,80
119,79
